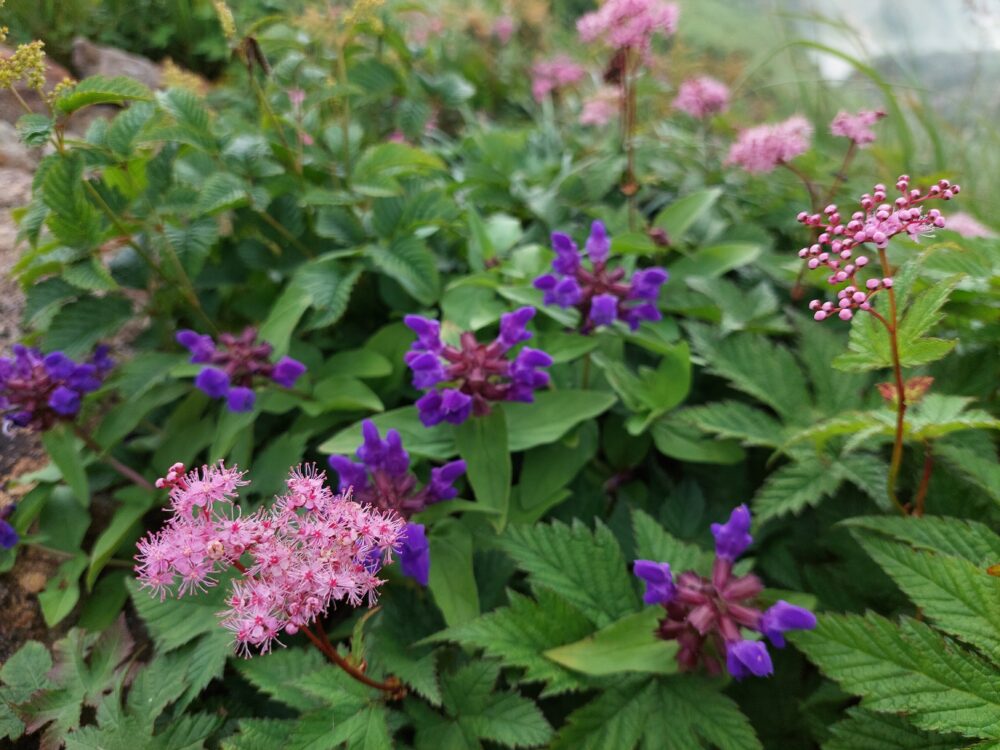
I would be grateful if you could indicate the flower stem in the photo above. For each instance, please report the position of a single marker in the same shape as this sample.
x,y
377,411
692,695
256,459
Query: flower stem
x,y
892,327
130,474
392,686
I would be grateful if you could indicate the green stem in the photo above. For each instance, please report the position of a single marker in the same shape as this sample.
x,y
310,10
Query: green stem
x,y
892,327
269,111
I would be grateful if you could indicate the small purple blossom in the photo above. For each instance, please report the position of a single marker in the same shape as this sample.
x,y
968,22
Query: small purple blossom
x,y
383,479
415,553
37,390
235,363
474,374
707,616
8,534
601,294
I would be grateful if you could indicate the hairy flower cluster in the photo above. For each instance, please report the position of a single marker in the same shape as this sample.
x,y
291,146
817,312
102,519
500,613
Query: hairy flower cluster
x,y
549,75
765,147
474,374
629,24
37,390
601,294
232,365
310,549
27,64
707,616
875,224
702,97
857,127
601,107
8,534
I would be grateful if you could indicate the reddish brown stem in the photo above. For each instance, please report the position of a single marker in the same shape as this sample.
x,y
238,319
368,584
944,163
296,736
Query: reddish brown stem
x,y
392,686
920,500
130,474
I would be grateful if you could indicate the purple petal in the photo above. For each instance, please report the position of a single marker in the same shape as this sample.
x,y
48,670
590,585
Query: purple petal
x,y
427,369
646,283
428,333
512,326
659,581
598,244
395,460
783,617
566,293
350,474
733,537
201,347
429,409
240,399
746,658
287,371
59,366
603,309
64,401
8,535
442,478
84,379
215,383
415,553
455,406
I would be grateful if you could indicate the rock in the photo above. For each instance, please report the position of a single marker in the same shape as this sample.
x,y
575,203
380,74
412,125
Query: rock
x,y
10,107
14,155
91,59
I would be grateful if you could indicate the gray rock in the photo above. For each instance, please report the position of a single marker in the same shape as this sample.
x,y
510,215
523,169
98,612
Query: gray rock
x,y
91,59
14,155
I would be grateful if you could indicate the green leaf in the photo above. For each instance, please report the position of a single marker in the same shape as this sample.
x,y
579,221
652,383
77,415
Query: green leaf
x,y
547,470
981,470
409,262
552,415
797,485
584,567
616,718
64,449
230,428
674,437
519,633
329,288
452,582
716,260
171,624
628,645
135,503
961,599
907,669
26,672
72,218
690,712
79,325
969,540
279,675
652,542
63,591
101,90
866,730
285,314
482,444
376,172
939,414
34,130
125,128
222,191
436,442
681,215
344,393
359,363
736,420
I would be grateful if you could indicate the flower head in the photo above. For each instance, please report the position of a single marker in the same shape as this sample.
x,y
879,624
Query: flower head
x,y
504,28
601,107
839,243
702,97
234,364
601,294
383,479
557,73
707,616
311,548
857,127
761,149
37,390
475,374
629,24
968,226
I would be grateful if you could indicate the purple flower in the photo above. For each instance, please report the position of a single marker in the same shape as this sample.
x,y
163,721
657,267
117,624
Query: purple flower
x,y
783,617
392,486
240,399
660,587
59,366
746,658
102,359
201,347
8,535
603,309
84,379
215,383
601,294
598,243
287,371
476,373
64,401
415,553
733,537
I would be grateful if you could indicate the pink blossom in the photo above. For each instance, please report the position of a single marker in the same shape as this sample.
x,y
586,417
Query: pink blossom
x,y
310,549
600,108
549,75
968,226
296,97
764,147
396,136
629,24
503,29
702,97
856,127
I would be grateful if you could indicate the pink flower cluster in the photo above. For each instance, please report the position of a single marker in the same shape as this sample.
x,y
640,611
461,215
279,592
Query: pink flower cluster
x,y
857,127
549,75
601,107
309,550
629,24
876,223
968,226
761,149
702,97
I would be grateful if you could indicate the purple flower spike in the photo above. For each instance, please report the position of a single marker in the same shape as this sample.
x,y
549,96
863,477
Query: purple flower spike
x,y
396,461
442,479
350,474
746,658
64,401
512,326
603,310
287,371
660,587
415,553
598,243
428,333
601,294
783,617
372,448
215,383
201,347
240,399
733,537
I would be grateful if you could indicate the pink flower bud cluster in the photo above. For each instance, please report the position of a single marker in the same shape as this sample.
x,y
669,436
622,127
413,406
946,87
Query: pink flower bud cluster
x,y
702,97
310,549
761,149
601,107
549,75
876,223
857,127
629,24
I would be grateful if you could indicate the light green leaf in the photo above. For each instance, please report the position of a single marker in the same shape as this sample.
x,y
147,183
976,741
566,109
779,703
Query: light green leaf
x,y
628,645
101,90
737,420
674,437
65,449
716,260
552,415
452,581
135,503
680,215
63,591
288,309
79,325
409,262
482,444
436,442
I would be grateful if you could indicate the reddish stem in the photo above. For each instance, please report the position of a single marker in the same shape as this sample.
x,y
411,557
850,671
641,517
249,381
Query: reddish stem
x,y
130,474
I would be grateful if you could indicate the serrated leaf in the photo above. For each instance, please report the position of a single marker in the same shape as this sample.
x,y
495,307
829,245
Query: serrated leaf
x,y
125,128
963,538
867,730
329,288
797,485
982,470
652,542
78,326
174,623
584,567
278,675
409,262
101,90
907,668
616,718
220,192
692,712
378,168
738,421
34,130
